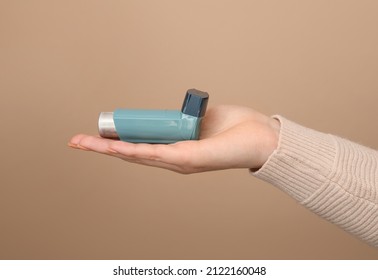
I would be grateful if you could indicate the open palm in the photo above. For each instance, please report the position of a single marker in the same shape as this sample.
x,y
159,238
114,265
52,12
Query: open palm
x,y
231,137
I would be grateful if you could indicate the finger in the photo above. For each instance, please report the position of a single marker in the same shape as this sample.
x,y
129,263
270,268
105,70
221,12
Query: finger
x,y
154,163
177,157
91,143
175,154
76,139
124,150
138,151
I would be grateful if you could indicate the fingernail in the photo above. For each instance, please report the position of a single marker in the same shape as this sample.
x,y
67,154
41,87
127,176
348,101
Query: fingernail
x,y
72,145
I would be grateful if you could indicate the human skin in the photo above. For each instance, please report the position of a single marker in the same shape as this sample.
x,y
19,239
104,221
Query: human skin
x,y
231,137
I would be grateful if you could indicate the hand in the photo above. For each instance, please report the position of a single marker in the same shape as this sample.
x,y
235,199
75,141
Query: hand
x,y
231,137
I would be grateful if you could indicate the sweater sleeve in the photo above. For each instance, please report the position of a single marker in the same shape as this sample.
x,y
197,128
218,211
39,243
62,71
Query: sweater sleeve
x,y
333,177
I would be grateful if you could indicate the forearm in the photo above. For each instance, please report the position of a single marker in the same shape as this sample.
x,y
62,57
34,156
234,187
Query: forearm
x,y
333,177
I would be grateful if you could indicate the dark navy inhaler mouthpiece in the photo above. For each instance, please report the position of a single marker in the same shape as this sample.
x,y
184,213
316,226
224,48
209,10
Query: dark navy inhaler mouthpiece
x,y
195,103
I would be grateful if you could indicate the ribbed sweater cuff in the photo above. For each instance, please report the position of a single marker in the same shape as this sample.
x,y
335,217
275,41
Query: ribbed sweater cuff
x,y
302,161
333,177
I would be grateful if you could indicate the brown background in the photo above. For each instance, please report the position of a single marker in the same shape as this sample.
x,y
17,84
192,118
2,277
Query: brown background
x,y
62,62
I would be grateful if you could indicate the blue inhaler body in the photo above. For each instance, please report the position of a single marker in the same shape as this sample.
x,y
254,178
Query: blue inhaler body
x,y
156,126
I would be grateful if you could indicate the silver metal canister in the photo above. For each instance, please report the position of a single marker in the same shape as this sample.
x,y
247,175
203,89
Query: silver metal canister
x,y
106,127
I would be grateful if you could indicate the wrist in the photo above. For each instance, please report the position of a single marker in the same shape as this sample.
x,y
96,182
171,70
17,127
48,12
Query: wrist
x,y
276,129
271,140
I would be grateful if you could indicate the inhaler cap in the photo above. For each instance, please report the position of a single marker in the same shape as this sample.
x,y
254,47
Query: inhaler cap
x,y
195,103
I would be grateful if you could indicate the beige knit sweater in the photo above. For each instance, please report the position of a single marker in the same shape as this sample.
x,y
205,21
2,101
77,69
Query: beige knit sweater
x,y
333,177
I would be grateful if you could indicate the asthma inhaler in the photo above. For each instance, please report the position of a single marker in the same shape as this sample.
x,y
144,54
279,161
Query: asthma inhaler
x,y
156,126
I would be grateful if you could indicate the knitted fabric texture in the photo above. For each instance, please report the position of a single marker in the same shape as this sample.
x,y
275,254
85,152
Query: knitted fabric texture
x,y
333,177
